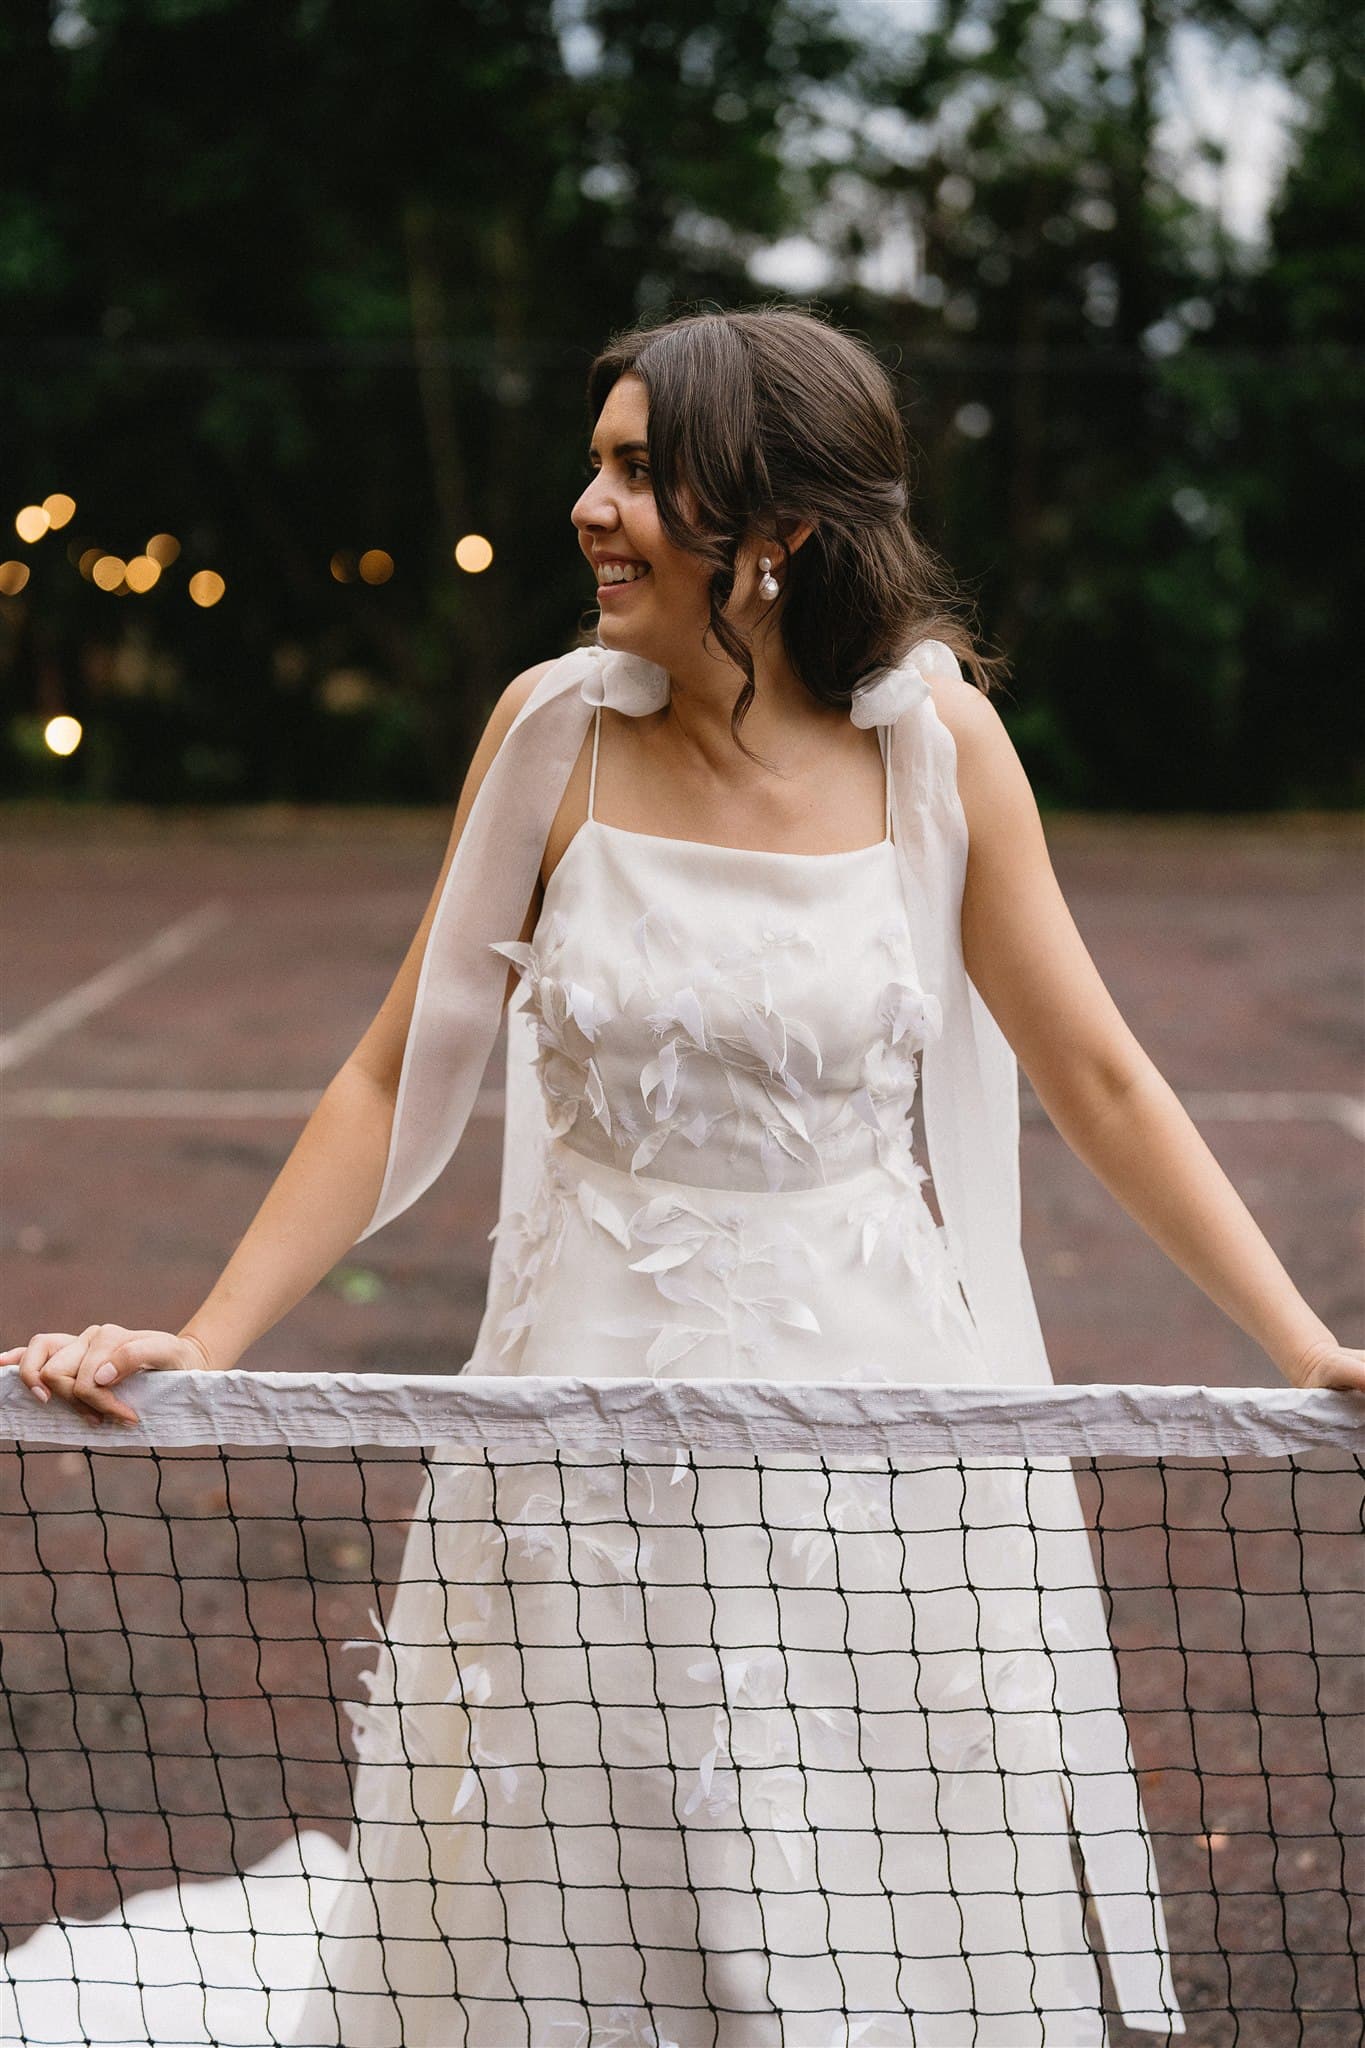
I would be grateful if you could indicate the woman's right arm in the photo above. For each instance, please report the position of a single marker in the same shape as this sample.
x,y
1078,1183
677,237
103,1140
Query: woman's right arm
x,y
317,1206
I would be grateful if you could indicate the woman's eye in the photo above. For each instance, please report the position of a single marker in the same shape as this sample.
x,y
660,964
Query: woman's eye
x,y
636,472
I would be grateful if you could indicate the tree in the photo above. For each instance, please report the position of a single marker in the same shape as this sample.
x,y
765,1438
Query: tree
x,y
301,278
336,286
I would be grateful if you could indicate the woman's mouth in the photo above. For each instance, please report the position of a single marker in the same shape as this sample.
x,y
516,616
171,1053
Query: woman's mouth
x,y
618,575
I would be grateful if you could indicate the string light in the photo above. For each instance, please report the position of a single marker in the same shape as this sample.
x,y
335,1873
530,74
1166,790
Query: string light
x,y
59,509
342,566
87,560
206,587
13,577
473,554
163,549
376,566
31,523
62,735
108,571
142,572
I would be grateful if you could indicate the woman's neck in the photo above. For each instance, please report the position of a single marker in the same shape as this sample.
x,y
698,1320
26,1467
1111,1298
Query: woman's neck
x,y
702,695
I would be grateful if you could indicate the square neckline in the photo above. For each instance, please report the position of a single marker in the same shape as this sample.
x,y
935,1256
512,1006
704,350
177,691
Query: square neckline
x,y
717,846
768,853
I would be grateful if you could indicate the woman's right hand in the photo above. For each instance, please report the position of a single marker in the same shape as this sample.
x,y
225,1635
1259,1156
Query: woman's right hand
x,y
85,1370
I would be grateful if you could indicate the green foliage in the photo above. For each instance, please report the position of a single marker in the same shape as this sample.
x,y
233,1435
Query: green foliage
x,y
293,277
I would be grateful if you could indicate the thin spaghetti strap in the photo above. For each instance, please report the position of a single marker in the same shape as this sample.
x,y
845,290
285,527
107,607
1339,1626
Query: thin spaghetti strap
x,y
592,775
884,733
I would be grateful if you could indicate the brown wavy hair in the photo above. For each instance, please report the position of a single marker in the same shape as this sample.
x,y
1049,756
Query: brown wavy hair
x,y
769,416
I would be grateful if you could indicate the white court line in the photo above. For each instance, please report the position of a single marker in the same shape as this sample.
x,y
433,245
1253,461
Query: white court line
x,y
110,983
1283,1108
297,1104
288,1104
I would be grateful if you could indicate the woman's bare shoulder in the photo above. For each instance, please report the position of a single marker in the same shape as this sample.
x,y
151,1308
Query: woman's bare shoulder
x,y
991,783
516,694
500,722
967,711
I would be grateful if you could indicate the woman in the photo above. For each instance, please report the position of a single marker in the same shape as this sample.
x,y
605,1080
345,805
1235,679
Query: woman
x,y
761,1800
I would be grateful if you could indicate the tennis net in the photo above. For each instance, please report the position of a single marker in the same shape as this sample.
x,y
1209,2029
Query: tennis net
x,y
605,1713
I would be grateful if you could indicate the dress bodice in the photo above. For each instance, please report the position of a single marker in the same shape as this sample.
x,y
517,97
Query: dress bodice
x,y
966,1083
723,1017
726,1057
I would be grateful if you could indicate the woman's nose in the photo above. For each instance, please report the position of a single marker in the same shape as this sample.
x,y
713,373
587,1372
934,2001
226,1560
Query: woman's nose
x,y
595,507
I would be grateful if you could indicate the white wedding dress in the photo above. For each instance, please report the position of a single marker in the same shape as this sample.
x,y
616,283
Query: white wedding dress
x,y
728,1752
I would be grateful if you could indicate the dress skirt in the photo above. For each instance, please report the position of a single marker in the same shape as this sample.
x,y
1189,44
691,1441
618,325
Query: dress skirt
x,y
723,1751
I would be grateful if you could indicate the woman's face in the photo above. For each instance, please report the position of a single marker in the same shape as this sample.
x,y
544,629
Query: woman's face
x,y
653,596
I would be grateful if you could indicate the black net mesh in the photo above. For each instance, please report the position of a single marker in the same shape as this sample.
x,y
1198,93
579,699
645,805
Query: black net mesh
x,y
392,1744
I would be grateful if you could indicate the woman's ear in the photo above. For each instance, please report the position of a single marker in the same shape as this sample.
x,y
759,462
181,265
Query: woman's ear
x,y
793,534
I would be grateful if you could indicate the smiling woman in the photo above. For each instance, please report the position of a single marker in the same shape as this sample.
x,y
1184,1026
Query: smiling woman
x,y
769,1007
727,997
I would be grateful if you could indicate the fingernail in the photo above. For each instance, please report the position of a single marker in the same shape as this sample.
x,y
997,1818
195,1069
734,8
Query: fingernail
x,y
105,1373
40,1393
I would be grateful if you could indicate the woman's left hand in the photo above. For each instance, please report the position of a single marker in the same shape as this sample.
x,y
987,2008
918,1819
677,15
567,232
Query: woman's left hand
x,y
1329,1364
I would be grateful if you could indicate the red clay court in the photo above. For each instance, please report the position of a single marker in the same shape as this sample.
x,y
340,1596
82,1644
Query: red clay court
x,y
179,990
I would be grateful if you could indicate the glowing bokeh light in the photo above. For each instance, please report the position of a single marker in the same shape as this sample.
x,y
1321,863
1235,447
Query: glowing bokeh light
x,y
108,572
473,554
142,572
32,523
342,566
376,566
206,587
163,549
62,734
13,577
87,560
59,509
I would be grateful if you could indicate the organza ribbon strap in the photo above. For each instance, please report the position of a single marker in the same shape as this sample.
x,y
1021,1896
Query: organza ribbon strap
x,y
969,1077
487,891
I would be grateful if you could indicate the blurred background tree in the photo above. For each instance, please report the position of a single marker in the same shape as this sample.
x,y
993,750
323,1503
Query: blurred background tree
x,y
312,286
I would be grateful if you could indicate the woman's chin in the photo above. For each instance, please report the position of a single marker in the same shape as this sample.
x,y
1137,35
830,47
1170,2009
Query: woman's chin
x,y
615,633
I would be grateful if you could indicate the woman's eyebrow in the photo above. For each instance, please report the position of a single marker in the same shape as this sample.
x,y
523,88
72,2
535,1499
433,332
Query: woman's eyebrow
x,y
623,448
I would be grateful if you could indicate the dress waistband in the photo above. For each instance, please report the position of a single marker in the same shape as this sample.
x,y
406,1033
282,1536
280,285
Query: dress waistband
x,y
567,1161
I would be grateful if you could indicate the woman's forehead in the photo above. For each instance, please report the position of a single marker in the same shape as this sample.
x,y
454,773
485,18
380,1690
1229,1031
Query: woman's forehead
x,y
625,415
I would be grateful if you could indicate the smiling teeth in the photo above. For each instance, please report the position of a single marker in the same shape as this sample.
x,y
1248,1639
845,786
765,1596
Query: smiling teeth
x,y
621,572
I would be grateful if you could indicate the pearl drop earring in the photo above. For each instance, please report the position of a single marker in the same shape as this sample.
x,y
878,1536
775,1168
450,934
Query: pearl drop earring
x,y
768,584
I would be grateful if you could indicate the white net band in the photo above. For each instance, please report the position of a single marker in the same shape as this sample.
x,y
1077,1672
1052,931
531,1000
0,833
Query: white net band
x,y
818,1418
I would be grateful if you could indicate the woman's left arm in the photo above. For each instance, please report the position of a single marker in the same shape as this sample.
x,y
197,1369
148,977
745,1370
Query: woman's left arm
x,y
1096,1083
